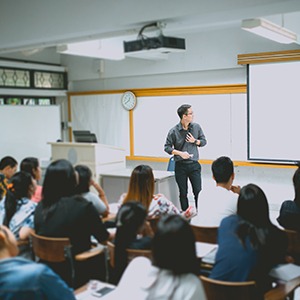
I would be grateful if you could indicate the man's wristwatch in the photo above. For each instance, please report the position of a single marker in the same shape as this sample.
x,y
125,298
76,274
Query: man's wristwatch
x,y
195,142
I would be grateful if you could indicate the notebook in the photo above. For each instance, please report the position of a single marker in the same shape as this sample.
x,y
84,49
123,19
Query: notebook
x,y
285,272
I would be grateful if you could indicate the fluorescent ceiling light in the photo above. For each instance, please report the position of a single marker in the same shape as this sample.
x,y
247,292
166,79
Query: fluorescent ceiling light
x,y
269,30
111,48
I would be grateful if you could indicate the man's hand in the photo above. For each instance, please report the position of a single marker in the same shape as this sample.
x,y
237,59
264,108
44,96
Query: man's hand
x,y
185,155
189,138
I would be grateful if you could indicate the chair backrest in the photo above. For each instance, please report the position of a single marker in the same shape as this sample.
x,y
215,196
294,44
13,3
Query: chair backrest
x,y
223,290
153,223
205,234
293,243
131,253
171,164
111,253
49,249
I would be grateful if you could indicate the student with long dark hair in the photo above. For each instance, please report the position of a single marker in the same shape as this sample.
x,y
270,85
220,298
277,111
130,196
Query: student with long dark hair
x,y
249,244
130,221
32,166
289,215
62,213
173,273
16,209
141,188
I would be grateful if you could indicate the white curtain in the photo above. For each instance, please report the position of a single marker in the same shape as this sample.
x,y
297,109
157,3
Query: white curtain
x,y
103,115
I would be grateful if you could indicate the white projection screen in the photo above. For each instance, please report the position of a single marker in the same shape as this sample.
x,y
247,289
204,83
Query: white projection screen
x,y
273,112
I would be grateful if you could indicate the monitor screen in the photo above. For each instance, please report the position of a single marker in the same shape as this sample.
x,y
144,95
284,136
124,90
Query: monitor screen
x,y
86,138
77,133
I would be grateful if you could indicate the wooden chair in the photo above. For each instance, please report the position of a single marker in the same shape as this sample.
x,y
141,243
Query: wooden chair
x,y
223,290
131,254
293,244
58,250
153,223
205,234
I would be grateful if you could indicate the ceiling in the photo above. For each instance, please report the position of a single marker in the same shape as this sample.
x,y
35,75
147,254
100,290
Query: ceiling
x,y
179,18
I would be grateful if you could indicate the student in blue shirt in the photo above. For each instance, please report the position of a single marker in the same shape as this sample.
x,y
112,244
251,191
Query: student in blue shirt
x,y
22,279
16,210
249,244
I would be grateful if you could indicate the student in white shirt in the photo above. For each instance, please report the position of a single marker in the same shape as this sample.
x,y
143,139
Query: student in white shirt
x,y
219,201
173,272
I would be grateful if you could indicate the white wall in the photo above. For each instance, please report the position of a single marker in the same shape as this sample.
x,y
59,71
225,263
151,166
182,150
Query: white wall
x,y
210,59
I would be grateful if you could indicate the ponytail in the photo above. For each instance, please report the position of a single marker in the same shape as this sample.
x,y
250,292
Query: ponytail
x,y
17,188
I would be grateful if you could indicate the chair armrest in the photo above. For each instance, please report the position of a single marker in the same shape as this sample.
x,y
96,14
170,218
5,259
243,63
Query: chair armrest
x,y
23,242
90,253
282,290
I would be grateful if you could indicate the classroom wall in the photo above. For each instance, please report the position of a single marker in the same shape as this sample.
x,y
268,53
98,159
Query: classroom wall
x,y
210,58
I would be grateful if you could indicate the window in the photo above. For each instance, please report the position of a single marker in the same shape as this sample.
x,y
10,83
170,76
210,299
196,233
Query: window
x,y
8,100
49,80
33,79
15,78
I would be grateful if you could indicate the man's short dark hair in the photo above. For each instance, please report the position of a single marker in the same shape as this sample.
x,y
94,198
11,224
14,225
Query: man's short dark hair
x,y
7,161
183,109
222,169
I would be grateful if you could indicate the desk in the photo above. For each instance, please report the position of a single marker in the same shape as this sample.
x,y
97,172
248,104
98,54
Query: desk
x,y
97,157
116,182
86,292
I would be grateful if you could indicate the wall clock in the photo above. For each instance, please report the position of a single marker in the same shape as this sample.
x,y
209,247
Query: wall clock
x,y
129,100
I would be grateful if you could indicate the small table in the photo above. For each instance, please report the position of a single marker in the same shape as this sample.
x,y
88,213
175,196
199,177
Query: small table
x,y
116,182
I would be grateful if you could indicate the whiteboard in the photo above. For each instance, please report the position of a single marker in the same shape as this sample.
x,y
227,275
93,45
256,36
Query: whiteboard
x,y
103,115
222,118
274,105
26,130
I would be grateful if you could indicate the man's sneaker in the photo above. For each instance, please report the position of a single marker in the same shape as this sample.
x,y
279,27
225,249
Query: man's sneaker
x,y
190,212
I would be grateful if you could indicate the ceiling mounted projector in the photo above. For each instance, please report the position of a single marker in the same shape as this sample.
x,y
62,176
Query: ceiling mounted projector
x,y
154,47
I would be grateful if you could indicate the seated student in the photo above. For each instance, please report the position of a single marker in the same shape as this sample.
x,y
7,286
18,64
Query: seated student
x,y
24,279
249,244
289,215
131,223
83,189
141,188
8,167
219,201
173,274
16,209
32,166
62,213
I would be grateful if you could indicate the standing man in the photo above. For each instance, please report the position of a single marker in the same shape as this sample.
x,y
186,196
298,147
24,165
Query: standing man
x,y
183,141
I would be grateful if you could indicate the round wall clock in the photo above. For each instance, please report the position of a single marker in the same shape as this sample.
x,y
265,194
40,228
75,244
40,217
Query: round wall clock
x,y
129,100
